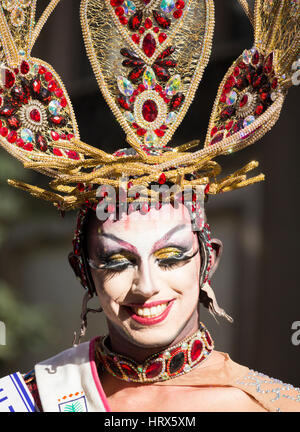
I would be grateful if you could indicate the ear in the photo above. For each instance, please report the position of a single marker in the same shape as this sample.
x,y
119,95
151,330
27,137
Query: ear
x,y
217,246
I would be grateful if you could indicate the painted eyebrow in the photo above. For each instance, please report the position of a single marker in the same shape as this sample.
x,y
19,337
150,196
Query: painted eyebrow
x,y
158,244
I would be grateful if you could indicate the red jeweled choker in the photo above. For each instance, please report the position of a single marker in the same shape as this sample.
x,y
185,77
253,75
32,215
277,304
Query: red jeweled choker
x,y
167,364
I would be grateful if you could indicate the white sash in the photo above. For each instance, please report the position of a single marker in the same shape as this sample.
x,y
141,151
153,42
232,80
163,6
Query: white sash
x,y
69,382
14,395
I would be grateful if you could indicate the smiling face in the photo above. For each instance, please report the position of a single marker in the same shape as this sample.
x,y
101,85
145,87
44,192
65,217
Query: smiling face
x,y
146,273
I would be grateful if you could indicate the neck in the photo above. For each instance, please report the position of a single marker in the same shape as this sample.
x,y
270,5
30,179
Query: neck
x,y
121,344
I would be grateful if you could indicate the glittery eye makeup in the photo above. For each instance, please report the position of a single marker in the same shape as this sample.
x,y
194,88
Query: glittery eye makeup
x,y
171,257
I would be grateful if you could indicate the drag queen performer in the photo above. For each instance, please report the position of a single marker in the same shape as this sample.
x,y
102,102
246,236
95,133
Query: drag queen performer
x,y
142,243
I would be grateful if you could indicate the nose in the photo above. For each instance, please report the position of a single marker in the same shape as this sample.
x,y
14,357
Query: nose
x,y
145,283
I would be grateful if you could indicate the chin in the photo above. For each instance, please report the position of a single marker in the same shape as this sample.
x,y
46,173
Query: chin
x,y
151,338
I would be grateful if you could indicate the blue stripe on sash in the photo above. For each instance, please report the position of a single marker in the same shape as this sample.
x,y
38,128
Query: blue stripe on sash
x,y
21,386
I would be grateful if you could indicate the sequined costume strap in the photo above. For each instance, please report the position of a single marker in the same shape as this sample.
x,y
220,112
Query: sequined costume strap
x,y
272,393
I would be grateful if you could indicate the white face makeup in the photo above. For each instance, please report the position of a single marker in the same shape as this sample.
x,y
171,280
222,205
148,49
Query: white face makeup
x,y
146,272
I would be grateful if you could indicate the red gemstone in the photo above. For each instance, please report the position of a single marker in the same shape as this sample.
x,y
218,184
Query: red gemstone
x,y
63,102
35,115
255,58
116,3
58,120
19,95
161,73
36,85
54,135
177,14
161,19
148,23
9,79
162,37
223,98
264,96
3,131
72,154
141,30
149,110
57,152
227,112
274,83
196,350
162,179
149,45
147,1
159,132
136,73
229,125
154,369
19,142
236,71
141,88
7,111
166,53
242,83
28,146
135,37
41,142
124,102
244,100
176,101
24,68
12,136
119,11
52,86
48,76
213,131
123,20
80,187
268,66
42,70
59,93
229,84
135,21
14,123
217,138
259,109
141,132
16,71
129,371
180,4
70,136
156,29
158,88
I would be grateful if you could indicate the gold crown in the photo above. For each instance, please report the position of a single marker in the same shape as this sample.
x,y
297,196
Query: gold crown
x,y
148,57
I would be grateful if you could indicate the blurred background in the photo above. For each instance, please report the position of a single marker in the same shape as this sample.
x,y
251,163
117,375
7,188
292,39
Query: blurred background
x,y
256,282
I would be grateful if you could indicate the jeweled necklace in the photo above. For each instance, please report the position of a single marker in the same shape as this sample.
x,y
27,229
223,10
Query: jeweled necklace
x,y
167,364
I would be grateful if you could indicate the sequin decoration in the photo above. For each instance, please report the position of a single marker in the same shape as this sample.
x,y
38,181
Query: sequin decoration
x,y
15,7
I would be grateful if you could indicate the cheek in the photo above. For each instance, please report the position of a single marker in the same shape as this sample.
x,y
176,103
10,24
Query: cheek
x,y
184,279
113,289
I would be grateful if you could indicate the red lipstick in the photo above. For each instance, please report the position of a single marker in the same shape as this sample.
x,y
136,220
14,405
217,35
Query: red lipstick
x,y
150,320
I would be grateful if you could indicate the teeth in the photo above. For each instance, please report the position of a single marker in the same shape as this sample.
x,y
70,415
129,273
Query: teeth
x,y
151,312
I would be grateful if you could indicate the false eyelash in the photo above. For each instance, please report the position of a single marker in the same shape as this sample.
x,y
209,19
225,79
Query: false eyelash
x,y
171,263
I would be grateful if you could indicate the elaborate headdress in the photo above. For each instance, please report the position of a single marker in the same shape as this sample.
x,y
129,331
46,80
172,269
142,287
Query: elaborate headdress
x,y
148,57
